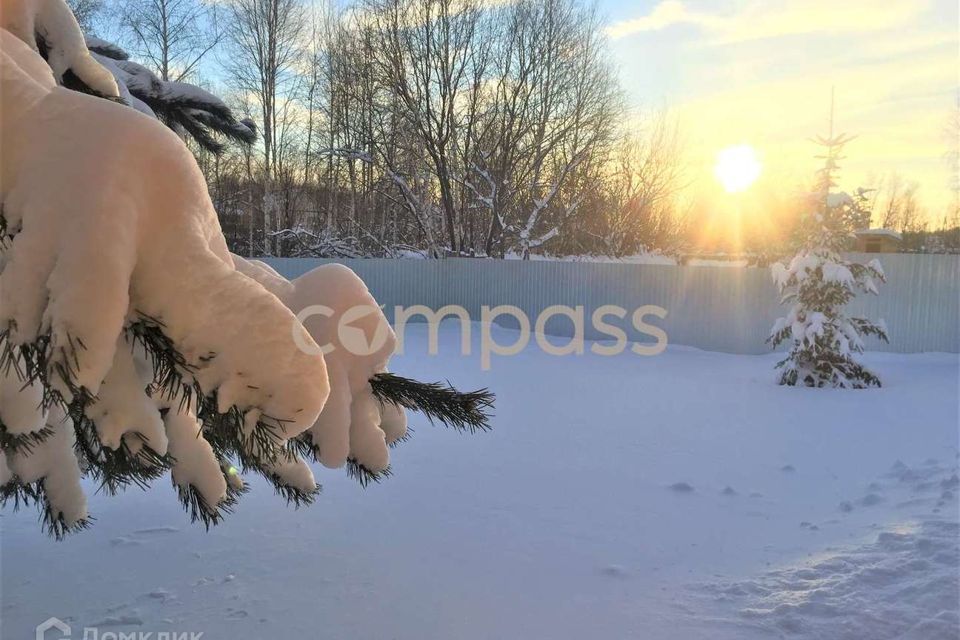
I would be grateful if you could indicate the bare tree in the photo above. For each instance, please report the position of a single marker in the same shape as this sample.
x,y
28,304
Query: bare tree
x,y
426,54
459,127
549,122
646,177
86,12
894,204
265,47
951,135
172,36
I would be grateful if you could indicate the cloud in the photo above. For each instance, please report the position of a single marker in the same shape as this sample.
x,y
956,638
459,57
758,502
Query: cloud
x,y
666,14
761,20
819,17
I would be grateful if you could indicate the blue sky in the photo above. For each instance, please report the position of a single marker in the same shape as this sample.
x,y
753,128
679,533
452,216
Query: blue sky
x,y
760,72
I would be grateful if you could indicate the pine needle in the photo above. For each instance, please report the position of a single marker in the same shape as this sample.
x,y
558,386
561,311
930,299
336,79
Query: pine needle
x,y
463,411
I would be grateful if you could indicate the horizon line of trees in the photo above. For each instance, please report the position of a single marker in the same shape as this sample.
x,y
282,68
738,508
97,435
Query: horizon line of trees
x,y
437,127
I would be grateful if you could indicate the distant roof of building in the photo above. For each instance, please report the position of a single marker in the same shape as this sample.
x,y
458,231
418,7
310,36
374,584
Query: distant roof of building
x,y
890,233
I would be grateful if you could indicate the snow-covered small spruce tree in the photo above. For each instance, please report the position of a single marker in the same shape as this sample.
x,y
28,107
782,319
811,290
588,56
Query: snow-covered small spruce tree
x,y
132,343
819,282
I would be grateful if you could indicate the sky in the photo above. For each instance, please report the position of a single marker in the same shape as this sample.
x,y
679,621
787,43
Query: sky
x,y
760,72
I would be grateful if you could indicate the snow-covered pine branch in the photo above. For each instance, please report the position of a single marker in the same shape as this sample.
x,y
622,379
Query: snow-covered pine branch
x,y
132,342
185,108
120,307
94,66
818,283
49,28
363,394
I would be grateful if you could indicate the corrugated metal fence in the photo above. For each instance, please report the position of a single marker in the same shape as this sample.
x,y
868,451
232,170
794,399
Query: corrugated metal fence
x,y
725,309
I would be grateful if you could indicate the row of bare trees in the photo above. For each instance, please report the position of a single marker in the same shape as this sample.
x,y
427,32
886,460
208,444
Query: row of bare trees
x,y
893,201
445,127
441,127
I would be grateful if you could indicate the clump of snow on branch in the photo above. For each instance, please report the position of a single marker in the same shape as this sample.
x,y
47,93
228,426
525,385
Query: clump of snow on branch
x,y
132,343
50,29
357,342
95,66
120,306
818,283
185,108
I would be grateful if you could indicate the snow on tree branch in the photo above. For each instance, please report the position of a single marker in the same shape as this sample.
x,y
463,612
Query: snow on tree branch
x,y
541,204
50,29
106,259
132,343
100,68
186,108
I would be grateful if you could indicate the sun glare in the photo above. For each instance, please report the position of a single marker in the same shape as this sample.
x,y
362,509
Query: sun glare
x,y
737,167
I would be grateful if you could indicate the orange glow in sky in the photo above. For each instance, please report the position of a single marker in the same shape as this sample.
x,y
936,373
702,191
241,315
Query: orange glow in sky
x,y
763,72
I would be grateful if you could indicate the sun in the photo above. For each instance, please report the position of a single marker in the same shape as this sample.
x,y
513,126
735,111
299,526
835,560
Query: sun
x,y
737,167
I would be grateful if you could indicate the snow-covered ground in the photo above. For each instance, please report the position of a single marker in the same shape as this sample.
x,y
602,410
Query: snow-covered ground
x,y
681,496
